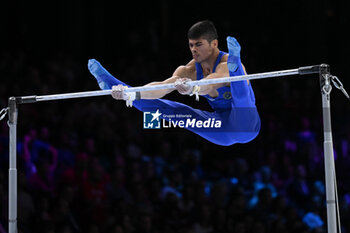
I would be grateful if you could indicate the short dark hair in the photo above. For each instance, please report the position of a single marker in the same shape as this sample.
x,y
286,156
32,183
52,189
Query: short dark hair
x,y
203,29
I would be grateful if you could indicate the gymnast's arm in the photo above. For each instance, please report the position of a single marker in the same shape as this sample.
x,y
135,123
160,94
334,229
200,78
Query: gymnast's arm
x,y
221,71
180,72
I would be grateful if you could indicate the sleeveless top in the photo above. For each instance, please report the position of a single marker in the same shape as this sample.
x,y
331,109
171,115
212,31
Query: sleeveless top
x,y
223,100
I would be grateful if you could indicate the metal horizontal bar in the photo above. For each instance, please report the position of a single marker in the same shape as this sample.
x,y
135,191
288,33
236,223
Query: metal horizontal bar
x,y
73,95
158,87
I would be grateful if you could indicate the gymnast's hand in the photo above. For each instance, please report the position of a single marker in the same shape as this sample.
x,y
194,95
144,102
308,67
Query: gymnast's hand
x,y
119,94
182,87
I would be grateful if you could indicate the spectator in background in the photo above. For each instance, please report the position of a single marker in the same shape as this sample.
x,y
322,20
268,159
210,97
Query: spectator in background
x,y
263,209
25,202
43,180
94,193
299,190
203,223
219,220
263,181
63,216
173,181
145,224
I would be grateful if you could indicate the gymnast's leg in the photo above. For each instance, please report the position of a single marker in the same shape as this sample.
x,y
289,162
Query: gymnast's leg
x,y
244,117
166,107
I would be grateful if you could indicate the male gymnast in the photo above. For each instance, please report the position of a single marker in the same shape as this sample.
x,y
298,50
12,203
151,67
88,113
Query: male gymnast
x,y
233,103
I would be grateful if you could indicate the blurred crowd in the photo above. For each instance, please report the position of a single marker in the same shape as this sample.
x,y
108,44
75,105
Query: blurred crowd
x,y
88,166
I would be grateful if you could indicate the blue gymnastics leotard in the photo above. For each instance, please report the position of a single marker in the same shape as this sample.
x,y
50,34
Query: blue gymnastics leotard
x,y
234,106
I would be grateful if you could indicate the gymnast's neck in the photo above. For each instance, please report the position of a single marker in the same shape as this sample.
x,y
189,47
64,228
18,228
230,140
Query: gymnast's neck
x,y
208,64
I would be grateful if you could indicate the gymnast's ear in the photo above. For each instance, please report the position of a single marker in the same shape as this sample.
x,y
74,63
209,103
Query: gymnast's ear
x,y
214,43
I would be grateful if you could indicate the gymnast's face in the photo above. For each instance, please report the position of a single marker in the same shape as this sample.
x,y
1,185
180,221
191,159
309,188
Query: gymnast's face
x,y
201,49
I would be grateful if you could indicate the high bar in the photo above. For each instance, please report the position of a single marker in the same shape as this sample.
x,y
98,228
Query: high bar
x,y
300,71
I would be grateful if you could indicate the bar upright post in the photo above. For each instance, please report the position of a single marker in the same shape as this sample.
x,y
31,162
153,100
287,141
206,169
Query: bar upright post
x,y
12,122
325,80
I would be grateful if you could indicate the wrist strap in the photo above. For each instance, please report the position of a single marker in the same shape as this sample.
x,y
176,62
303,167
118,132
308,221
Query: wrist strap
x,y
138,95
195,91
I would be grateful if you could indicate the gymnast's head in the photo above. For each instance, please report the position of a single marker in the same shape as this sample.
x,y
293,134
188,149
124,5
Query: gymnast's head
x,y
202,40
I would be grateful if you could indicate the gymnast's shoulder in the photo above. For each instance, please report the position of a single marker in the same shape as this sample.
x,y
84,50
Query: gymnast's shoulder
x,y
187,70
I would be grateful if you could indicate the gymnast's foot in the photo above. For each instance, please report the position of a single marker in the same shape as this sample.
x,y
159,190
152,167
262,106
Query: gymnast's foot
x,y
104,79
234,50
